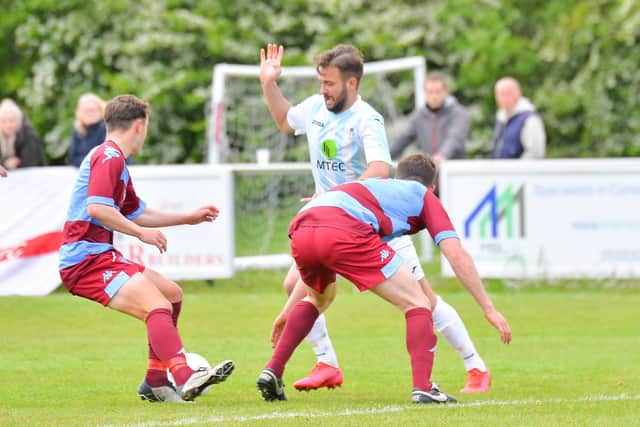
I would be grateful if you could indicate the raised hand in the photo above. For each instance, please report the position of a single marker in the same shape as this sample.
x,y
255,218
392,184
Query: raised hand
x,y
270,63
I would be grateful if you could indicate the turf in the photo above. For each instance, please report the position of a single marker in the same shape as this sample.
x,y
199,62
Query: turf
x,y
574,360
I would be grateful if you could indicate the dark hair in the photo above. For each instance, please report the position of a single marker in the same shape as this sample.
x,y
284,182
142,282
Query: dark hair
x,y
123,110
418,167
345,58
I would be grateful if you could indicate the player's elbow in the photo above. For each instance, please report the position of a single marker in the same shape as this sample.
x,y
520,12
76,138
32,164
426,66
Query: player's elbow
x,y
96,211
283,125
93,210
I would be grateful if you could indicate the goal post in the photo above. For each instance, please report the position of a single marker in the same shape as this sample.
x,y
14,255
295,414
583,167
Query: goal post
x,y
239,125
217,141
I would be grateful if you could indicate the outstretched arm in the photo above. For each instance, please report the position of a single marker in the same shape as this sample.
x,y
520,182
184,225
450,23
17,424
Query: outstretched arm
x,y
270,70
112,218
465,271
156,218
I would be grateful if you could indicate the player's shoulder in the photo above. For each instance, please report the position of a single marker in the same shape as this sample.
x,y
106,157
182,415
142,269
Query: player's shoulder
x,y
366,111
107,153
313,100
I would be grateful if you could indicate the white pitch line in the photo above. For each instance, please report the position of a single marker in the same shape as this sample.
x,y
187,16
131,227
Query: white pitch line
x,y
371,411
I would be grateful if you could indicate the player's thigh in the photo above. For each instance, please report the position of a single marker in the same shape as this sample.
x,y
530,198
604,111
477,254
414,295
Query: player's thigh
x,y
138,297
401,290
170,289
293,275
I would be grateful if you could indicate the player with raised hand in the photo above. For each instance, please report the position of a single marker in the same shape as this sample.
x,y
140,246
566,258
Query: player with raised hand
x,y
347,141
104,200
344,231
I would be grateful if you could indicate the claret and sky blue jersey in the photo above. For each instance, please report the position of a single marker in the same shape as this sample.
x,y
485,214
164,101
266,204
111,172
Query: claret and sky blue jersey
x,y
103,178
391,207
340,145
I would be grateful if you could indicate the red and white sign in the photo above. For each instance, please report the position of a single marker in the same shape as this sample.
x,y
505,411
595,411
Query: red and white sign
x,y
34,203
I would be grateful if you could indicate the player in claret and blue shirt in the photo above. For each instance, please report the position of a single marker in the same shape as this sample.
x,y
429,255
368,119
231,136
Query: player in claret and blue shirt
x,y
347,141
345,231
104,200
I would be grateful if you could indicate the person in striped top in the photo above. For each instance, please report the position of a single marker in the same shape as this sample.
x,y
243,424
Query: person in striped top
x,y
345,231
347,141
104,200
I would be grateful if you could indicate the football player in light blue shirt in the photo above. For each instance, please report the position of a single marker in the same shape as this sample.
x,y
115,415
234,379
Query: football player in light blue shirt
x,y
347,141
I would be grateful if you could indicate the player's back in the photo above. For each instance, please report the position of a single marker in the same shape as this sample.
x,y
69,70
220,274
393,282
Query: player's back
x,y
392,207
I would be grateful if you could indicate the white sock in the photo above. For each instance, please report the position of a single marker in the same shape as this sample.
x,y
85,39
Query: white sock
x,y
321,343
447,321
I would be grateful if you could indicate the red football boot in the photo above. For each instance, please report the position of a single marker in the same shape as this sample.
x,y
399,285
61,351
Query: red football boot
x,y
322,375
477,382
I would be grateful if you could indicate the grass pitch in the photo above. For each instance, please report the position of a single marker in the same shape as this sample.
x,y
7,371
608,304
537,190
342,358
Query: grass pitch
x,y
574,360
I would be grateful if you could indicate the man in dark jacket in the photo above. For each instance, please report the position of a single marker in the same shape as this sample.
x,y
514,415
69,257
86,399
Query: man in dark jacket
x,y
441,127
20,145
519,131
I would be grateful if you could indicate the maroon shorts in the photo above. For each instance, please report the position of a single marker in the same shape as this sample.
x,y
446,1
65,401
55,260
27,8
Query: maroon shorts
x,y
358,255
99,277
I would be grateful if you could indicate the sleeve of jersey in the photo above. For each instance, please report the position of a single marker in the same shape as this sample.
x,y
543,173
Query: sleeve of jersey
x,y
133,206
104,176
298,115
374,140
436,219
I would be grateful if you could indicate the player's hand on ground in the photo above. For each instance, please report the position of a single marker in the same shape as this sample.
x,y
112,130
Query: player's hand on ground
x,y
270,62
202,214
3,171
277,328
500,323
155,238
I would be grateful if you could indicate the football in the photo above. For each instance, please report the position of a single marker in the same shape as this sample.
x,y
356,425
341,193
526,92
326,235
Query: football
x,y
195,362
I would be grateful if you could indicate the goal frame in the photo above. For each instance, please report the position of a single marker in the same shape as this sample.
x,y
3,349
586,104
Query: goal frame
x,y
215,129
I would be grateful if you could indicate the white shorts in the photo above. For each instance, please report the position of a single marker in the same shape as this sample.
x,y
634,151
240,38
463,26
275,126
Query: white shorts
x,y
404,247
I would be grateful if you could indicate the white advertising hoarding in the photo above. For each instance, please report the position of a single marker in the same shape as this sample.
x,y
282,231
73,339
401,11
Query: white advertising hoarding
x,y
546,218
34,203
193,251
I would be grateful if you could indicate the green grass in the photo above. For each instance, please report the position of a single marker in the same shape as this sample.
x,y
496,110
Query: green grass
x,y
575,352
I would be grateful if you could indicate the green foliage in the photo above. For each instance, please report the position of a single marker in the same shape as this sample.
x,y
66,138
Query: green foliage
x,y
576,59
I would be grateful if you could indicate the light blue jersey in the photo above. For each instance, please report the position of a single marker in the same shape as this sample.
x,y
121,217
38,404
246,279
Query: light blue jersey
x,y
340,145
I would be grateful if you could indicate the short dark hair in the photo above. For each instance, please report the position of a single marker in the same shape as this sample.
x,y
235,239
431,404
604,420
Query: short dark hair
x,y
123,110
418,167
346,58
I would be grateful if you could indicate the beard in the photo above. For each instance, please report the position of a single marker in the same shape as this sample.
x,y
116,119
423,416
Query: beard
x,y
339,104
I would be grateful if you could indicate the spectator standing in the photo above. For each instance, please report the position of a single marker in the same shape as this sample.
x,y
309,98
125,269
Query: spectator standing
x,y
20,145
440,127
88,129
519,131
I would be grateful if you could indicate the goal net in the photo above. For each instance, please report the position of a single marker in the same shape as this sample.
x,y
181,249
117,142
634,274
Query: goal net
x,y
268,195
